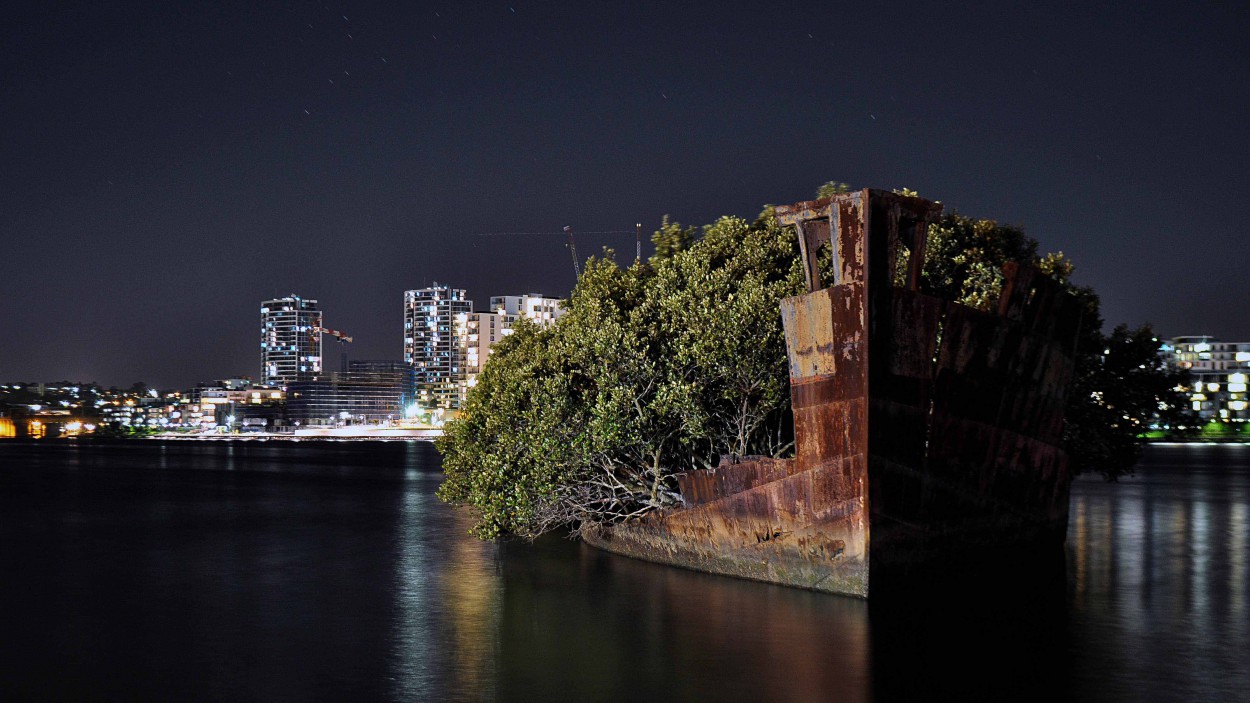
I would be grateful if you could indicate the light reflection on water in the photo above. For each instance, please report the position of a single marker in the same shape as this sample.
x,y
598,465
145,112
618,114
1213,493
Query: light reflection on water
x,y
446,636
556,620
414,601
331,572
1158,566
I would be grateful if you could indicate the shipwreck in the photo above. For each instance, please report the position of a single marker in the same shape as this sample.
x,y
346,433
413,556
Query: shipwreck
x,y
922,426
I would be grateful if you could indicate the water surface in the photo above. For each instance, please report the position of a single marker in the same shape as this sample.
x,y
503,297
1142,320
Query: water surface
x,y
328,571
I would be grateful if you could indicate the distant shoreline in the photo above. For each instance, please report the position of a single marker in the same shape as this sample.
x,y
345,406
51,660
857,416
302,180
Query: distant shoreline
x,y
1200,440
286,438
337,434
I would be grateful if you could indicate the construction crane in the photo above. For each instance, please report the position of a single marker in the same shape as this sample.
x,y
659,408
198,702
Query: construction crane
x,y
577,267
340,336
568,232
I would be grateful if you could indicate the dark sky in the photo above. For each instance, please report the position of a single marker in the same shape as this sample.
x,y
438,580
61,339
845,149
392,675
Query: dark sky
x,y
166,166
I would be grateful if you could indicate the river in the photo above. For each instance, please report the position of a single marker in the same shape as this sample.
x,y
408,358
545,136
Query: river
x,y
329,571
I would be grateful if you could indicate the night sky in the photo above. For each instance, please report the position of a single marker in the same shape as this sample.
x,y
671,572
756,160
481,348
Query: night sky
x,y
164,167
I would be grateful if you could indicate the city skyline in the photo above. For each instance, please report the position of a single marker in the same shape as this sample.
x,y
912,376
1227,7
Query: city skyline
x,y
166,165
298,319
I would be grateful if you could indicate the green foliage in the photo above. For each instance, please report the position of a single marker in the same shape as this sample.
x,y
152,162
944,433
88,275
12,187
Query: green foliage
x,y
653,370
119,431
504,455
832,188
1122,388
1057,266
671,238
1221,431
964,259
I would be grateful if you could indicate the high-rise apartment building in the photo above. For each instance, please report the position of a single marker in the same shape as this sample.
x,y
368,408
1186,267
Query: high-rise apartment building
x,y
432,345
534,306
481,331
289,348
1219,374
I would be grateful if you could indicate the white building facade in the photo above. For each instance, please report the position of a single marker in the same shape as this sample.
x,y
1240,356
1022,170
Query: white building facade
x,y
1219,375
289,348
542,311
481,330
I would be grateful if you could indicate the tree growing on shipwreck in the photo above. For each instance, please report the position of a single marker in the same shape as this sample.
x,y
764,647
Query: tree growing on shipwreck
x,y
679,363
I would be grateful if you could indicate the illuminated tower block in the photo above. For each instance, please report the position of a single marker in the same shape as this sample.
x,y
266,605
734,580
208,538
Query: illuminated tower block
x,y
433,344
289,349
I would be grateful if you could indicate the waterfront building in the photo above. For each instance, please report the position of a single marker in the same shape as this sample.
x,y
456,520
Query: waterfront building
x,y
542,311
191,414
377,366
387,371
433,323
230,402
176,410
480,332
1219,373
368,392
133,408
289,348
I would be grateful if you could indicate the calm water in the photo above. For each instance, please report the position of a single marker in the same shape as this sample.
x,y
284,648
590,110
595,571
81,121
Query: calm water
x,y
328,571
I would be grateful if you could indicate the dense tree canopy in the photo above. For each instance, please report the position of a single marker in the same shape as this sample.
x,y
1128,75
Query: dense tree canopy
x,y
679,362
1121,388
654,369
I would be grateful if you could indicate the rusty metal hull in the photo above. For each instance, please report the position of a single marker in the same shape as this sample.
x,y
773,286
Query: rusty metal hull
x,y
923,427
786,530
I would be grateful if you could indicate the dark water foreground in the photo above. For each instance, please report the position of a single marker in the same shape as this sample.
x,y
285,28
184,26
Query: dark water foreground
x,y
328,571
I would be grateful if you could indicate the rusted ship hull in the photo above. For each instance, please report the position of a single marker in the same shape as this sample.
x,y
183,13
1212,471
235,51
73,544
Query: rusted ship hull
x,y
923,427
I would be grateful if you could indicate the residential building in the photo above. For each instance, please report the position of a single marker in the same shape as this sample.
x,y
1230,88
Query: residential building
x,y
543,311
368,392
231,401
481,331
290,349
377,366
432,347
1219,375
